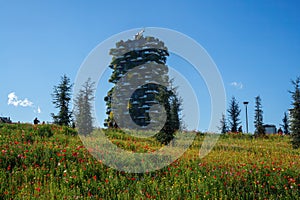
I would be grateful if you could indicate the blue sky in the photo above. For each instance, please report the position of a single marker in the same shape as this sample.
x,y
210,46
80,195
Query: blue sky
x,y
255,45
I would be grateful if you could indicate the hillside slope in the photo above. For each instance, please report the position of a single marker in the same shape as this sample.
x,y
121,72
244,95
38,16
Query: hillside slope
x,y
50,162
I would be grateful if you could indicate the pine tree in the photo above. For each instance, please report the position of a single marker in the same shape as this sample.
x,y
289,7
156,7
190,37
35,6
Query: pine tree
x,y
295,114
83,108
234,113
61,99
175,110
141,53
223,127
258,118
285,125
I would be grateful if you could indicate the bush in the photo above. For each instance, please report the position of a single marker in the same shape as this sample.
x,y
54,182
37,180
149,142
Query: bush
x,y
45,131
69,131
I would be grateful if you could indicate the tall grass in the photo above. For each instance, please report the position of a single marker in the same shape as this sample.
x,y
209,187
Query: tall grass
x,y
50,162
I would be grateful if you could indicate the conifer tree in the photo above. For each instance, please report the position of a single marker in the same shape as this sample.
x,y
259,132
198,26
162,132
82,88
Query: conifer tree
x,y
61,99
258,118
295,114
175,110
223,127
234,115
83,108
285,125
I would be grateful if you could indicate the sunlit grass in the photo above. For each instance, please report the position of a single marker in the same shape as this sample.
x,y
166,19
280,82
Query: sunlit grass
x,y
50,162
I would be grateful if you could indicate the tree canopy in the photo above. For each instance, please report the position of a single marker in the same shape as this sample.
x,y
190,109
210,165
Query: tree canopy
x,y
83,108
295,114
234,112
258,118
61,99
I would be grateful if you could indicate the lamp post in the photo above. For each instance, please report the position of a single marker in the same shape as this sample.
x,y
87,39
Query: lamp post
x,y
246,103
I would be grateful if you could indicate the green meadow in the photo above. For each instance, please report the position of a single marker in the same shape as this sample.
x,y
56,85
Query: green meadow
x,y
51,162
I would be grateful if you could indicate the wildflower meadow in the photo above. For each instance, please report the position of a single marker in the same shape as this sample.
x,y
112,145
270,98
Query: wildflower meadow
x,y
50,162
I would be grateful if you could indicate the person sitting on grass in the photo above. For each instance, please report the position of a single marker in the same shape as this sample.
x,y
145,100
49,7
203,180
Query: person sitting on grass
x,y
36,121
280,132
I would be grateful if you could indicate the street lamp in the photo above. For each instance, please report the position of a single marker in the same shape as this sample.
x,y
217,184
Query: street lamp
x,y
246,103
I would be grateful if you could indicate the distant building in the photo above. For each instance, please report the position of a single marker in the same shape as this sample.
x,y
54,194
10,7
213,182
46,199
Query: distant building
x,y
5,120
270,129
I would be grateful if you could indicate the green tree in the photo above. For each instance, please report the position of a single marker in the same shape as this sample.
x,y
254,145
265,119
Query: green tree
x,y
295,114
285,124
141,53
223,124
83,108
61,99
258,118
173,109
234,115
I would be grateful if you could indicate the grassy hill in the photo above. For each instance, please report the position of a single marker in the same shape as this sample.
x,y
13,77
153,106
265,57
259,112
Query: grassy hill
x,y
50,162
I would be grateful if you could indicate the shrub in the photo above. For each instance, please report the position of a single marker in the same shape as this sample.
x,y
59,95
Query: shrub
x,y
45,131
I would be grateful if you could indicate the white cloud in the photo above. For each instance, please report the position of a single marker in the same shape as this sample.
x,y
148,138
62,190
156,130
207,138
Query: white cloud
x,y
25,103
39,110
13,100
237,85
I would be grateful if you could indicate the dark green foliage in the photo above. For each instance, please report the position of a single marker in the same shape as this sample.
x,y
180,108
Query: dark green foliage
x,y
45,131
234,115
109,122
172,106
258,118
61,99
142,53
175,110
240,130
285,125
295,114
69,131
83,108
127,56
223,128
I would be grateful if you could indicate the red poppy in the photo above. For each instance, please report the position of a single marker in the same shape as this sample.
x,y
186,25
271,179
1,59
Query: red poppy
x,y
74,154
